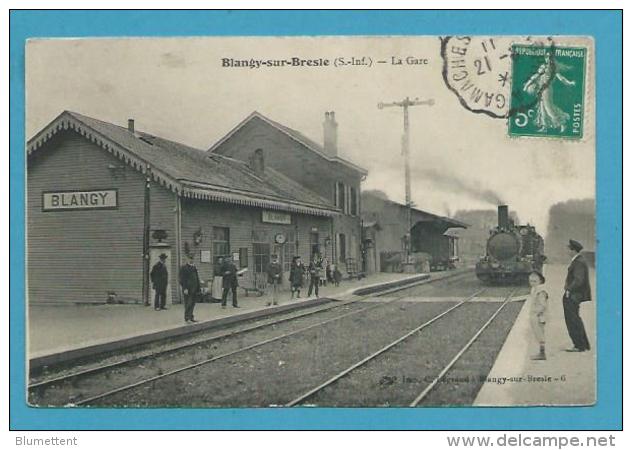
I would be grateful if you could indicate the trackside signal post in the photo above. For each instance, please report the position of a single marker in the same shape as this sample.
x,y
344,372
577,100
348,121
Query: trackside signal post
x,y
405,104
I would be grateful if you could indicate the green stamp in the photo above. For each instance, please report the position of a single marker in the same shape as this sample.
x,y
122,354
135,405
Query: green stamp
x,y
547,91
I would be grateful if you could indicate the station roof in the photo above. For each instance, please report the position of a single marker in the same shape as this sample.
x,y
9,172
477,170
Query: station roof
x,y
425,218
295,135
190,172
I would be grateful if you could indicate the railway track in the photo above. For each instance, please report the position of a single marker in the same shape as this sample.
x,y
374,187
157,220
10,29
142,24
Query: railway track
x,y
51,381
424,394
303,398
37,389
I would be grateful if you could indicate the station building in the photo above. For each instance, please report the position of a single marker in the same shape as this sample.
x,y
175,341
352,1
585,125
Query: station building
x,y
94,188
317,167
386,236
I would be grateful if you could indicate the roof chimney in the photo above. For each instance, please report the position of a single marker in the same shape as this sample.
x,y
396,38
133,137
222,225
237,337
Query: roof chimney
x,y
330,133
130,125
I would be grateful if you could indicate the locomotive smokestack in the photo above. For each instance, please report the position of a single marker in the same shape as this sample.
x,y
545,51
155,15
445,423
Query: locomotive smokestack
x,y
503,216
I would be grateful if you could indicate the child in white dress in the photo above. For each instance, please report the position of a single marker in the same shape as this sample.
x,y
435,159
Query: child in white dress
x,y
538,311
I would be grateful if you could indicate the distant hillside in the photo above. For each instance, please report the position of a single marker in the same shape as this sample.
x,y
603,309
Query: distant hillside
x,y
573,219
375,192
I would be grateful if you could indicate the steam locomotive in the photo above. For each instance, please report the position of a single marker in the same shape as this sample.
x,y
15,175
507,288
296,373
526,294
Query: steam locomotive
x,y
513,251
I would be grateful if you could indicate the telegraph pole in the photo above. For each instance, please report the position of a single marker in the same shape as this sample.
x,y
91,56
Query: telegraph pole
x,y
405,104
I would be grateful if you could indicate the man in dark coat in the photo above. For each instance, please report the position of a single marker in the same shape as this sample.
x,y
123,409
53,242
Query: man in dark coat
x,y
229,281
576,291
274,278
160,279
190,282
315,271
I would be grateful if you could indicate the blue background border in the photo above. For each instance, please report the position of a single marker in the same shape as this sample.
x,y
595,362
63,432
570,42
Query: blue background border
x,y
604,26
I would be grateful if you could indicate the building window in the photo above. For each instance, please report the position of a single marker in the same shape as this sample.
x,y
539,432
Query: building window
x,y
340,196
354,201
314,245
288,251
342,247
243,257
261,254
256,162
260,236
221,242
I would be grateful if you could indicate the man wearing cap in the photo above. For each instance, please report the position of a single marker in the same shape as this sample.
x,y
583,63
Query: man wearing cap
x,y
160,279
576,291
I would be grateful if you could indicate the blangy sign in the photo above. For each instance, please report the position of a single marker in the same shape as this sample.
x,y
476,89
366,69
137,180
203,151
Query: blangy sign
x,y
276,217
72,200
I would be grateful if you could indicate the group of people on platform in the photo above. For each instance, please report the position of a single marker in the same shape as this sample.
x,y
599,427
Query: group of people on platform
x,y
319,272
576,291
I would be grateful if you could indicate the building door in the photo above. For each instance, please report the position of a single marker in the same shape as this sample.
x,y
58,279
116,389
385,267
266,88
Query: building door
x,y
353,249
154,256
342,248
261,257
371,259
454,248
220,246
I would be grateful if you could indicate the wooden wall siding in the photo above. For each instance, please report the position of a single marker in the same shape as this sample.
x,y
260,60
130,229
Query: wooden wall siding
x,y
77,256
241,221
302,165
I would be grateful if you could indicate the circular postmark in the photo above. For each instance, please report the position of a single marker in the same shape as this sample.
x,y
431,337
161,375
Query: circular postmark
x,y
478,70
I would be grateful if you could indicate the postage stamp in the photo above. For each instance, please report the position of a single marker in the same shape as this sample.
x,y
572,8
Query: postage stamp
x,y
547,94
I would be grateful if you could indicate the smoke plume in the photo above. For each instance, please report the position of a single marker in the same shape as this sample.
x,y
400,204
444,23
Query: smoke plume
x,y
453,183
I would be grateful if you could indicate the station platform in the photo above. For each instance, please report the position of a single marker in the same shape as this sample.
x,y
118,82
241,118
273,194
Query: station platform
x,y
61,332
564,378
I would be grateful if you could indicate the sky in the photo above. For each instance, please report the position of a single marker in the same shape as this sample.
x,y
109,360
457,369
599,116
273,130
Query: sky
x,y
176,88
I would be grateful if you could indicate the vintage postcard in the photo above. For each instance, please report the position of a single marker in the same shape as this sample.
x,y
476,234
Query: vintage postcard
x,y
311,221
